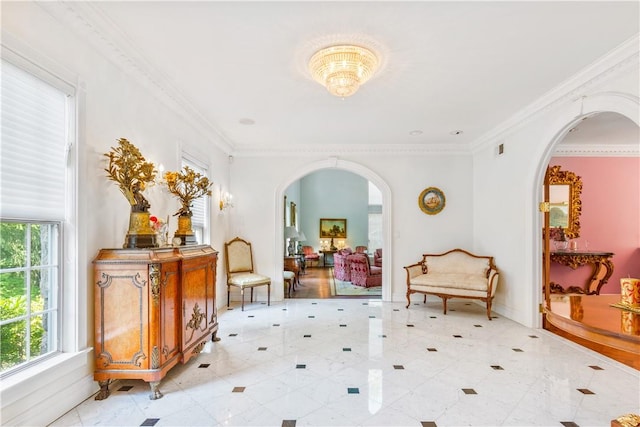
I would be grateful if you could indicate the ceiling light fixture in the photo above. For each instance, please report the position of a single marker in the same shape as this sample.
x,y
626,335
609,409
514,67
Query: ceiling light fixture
x,y
343,68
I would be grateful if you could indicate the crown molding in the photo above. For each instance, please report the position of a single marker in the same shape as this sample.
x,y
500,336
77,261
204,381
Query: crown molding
x,y
615,62
313,150
86,20
613,150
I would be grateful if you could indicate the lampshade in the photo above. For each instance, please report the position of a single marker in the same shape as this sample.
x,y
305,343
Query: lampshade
x,y
301,237
343,68
290,232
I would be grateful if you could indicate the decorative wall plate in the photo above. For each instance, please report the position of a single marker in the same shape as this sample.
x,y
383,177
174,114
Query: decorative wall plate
x,y
431,200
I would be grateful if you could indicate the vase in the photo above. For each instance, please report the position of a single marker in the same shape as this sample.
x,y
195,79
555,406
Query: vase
x,y
184,231
140,234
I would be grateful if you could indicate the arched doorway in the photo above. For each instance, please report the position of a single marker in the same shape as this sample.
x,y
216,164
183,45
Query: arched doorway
x,y
357,169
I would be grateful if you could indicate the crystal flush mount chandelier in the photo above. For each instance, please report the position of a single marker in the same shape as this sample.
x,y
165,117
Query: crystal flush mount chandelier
x,y
343,68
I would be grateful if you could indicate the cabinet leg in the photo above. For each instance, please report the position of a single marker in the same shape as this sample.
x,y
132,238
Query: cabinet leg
x,y
155,391
104,390
215,337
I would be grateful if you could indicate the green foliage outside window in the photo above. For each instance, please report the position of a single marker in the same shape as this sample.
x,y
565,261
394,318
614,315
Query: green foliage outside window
x,y
13,294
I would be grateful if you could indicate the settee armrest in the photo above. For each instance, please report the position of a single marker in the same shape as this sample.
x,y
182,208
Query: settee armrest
x,y
492,281
414,270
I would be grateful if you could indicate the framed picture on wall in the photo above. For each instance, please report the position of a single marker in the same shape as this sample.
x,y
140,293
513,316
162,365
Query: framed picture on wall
x,y
333,227
293,214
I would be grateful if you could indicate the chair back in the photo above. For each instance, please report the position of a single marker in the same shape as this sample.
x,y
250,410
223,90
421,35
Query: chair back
x,y
238,256
307,250
361,249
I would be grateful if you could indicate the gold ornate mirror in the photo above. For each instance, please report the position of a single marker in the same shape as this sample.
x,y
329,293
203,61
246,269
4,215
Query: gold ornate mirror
x,y
565,205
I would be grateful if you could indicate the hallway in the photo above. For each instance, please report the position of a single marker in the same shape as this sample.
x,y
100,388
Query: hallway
x,y
356,362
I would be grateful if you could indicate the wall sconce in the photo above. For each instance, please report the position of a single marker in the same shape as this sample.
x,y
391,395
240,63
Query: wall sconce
x,y
160,176
226,201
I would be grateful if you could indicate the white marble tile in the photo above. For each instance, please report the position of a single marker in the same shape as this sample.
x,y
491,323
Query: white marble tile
x,y
535,387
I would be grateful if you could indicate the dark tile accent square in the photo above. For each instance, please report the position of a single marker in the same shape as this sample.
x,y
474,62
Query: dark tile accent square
x,y
585,391
284,309
497,367
382,336
341,309
276,324
533,336
229,308
238,389
288,423
396,309
398,367
410,326
353,390
346,349
469,391
428,424
569,424
150,422
343,326
204,365
494,317
457,336
262,348
306,336
478,326
233,335
125,388
432,349
314,303
452,309
251,315
432,317
596,368
301,366
518,350
372,317
311,317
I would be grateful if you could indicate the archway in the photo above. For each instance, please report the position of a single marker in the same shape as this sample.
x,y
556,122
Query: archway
x,y
356,168
621,103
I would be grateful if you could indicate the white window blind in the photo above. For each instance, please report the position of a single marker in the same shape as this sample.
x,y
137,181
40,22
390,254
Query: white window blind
x,y
199,206
33,147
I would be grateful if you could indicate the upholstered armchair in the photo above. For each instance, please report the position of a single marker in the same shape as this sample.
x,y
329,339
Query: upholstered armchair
x,y
362,273
310,255
239,261
361,249
377,257
341,265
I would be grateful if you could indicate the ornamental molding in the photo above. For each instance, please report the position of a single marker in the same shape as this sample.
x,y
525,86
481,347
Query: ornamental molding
x,y
90,24
616,62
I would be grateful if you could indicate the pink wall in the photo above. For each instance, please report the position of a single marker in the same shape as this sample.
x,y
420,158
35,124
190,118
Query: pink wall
x,y
610,219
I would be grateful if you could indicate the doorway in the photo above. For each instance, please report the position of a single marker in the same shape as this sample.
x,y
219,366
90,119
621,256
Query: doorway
x,y
368,176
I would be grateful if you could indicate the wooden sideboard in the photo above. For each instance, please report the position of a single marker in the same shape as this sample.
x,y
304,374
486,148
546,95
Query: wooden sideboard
x,y
153,309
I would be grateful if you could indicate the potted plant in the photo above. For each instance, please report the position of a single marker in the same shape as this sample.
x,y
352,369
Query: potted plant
x,y
188,185
129,169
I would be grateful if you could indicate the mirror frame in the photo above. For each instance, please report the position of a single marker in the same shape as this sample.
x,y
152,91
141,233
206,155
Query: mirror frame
x,y
559,177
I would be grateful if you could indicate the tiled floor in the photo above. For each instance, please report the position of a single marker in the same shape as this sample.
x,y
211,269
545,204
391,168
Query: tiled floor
x,y
354,362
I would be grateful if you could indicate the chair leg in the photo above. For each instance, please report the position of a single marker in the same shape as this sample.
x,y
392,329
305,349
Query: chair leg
x,y
228,292
252,294
444,305
242,297
269,294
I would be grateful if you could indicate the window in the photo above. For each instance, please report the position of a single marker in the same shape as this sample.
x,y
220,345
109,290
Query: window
x,y
35,129
199,207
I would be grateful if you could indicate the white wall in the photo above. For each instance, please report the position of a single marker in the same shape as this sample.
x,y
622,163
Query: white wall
x,y
259,186
508,187
112,105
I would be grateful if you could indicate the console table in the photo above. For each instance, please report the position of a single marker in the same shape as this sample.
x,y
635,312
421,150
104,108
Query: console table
x,y
602,269
154,308
327,258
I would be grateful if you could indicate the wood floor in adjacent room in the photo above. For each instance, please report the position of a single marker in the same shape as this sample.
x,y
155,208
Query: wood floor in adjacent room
x,y
316,283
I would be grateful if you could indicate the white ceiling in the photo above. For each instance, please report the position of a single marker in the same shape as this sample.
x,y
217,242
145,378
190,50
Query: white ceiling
x,y
447,66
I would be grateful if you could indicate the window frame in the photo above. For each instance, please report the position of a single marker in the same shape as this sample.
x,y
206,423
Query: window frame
x,y
67,321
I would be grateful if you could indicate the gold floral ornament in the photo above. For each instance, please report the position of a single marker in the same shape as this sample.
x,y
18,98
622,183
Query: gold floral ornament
x,y
129,169
188,185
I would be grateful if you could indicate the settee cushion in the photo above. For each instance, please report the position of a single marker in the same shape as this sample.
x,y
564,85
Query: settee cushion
x,y
457,262
473,282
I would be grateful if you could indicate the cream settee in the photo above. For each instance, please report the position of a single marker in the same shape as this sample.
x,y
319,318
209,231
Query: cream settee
x,y
453,274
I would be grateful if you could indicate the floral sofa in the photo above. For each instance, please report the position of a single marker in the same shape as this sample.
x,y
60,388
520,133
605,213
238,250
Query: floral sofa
x,y
341,265
453,274
363,273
